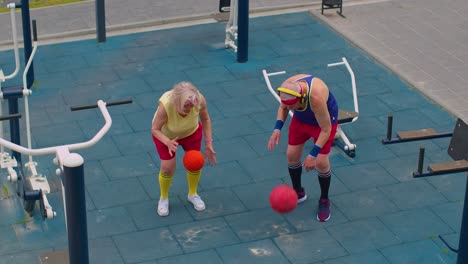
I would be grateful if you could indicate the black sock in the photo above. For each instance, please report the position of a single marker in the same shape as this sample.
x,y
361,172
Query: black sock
x,y
324,181
295,172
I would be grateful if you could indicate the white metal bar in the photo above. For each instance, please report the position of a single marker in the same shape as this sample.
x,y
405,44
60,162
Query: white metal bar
x,y
15,42
272,91
353,84
76,146
26,99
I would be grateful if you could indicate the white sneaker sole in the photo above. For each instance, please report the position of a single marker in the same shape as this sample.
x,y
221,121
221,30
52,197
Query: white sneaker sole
x,y
302,199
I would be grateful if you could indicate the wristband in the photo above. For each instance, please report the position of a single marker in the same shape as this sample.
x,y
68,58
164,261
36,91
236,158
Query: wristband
x,y
279,124
315,151
208,139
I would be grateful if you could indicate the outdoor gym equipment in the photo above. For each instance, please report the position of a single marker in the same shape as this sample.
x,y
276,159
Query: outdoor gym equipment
x,y
344,116
70,168
458,151
30,185
6,161
237,27
411,135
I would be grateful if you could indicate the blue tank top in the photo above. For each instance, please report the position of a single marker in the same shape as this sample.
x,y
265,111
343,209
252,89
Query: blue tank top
x,y
307,115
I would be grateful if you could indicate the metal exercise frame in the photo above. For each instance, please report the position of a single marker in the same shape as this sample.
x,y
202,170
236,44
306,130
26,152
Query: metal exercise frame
x,y
344,144
71,169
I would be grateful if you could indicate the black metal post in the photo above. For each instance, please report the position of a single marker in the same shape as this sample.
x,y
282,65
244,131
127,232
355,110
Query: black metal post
x,y
463,244
389,126
15,137
421,159
75,204
26,21
243,31
100,21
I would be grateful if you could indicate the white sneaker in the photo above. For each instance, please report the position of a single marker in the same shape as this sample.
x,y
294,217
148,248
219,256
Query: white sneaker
x,y
197,202
163,207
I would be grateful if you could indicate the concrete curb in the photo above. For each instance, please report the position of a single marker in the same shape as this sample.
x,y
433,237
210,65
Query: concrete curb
x,y
150,24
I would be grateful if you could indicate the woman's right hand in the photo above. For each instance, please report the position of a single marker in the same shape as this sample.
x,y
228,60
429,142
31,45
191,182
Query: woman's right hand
x,y
172,145
274,139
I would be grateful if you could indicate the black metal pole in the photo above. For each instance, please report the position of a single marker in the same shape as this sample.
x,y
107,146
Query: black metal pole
x,y
243,31
389,126
100,21
463,244
75,204
26,21
15,137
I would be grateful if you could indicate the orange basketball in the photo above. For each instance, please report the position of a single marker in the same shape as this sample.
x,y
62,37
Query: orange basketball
x,y
193,160
283,199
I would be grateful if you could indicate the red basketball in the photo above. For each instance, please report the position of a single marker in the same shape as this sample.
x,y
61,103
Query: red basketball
x,y
283,199
193,160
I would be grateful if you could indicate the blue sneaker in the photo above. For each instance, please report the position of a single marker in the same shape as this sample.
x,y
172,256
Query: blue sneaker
x,y
301,196
323,213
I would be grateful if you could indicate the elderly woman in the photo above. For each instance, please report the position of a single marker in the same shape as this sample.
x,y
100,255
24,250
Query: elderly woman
x,y
177,123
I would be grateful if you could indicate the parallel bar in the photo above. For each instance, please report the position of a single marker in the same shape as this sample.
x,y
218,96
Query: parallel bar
x,y
400,140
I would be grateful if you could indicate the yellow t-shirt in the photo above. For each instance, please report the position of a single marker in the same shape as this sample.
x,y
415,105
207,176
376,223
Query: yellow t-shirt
x,y
178,125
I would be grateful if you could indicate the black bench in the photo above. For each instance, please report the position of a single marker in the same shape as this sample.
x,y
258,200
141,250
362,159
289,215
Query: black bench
x,y
333,4
458,150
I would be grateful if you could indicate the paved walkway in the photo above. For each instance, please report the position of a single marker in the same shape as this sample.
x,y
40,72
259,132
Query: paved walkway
x,y
380,213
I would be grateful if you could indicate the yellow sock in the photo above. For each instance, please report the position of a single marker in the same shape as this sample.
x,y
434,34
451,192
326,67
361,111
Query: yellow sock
x,y
193,177
164,184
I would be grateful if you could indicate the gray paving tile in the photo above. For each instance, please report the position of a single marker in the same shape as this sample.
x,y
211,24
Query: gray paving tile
x,y
61,135
310,246
207,256
147,245
219,202
450,213
104,149
109,222
103,250
231,127
371,256
304,217
371,150
115,193
262,251
129,166
25,257
233,149
9,242
265,168
452,186
224,175
370,175
364,204
267,224
423,251
349,235
255,195
209,75
204,234
415,224
413,194
145,214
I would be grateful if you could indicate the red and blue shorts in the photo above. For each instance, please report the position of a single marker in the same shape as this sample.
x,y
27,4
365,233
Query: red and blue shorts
x,y
300,132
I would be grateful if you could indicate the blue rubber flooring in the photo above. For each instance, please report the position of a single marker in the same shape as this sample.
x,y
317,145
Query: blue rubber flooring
x,y
380,214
